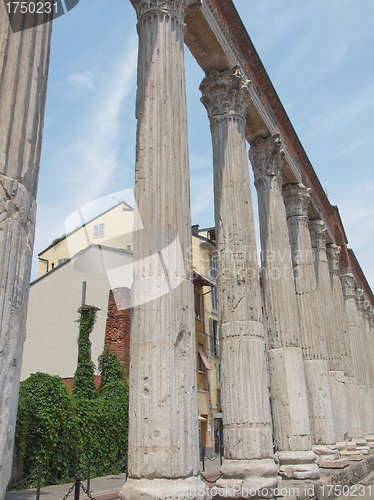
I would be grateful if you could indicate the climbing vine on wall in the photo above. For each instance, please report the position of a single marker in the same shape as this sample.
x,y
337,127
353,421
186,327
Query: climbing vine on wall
x,y
83,385
63,429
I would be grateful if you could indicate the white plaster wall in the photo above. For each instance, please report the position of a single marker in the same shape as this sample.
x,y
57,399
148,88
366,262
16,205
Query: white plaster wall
x,y
51,330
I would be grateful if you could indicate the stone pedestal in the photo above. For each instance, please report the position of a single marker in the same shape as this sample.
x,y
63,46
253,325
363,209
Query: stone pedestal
x,y
247,431
24,59
312,334
163,431
292,430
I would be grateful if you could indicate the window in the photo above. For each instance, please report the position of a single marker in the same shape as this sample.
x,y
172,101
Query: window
x,y
213,337
98,230
61,261
197,305
201,362
214,298
218,375
213,266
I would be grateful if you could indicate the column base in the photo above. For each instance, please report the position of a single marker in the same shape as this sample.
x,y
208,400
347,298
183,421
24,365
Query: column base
x,y
190,488
325,452
255,478
298,464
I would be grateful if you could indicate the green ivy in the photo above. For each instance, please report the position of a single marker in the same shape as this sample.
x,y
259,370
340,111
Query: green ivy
x,y
110,368
47,428
83,385
62,430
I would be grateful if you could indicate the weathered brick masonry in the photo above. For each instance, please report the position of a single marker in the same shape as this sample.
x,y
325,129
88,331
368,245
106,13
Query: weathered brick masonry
x,y
117,331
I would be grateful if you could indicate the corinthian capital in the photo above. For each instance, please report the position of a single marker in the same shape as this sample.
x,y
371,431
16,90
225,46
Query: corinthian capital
x,y
267,158
333,253
348,285
225,93
360,298
296,198
177,8
367,309
318,233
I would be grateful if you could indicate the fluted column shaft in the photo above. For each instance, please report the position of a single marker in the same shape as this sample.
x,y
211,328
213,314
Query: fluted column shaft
x,y
24,60
339,397
343,361
163,431
368,398
245,396
312,335
348,287
287,378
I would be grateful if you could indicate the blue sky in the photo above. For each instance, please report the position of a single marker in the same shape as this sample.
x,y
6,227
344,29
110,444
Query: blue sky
x,y
319,56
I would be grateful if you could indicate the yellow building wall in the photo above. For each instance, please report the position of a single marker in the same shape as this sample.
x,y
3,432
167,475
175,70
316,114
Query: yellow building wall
x,y
118,233
208,391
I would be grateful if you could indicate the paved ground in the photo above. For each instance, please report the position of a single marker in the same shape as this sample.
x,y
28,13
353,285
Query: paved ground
x,y
102,488
107,488
363,490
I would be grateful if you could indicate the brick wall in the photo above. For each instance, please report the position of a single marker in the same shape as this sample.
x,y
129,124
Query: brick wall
x,y
117,331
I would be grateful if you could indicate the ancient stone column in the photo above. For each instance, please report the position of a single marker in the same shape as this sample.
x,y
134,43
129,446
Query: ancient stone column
x,y
312,334
370,361
348,287
342,377
163,431
247,430
367,392
24,59
289,398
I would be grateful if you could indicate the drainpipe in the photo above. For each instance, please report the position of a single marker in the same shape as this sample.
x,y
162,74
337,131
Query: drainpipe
x,y
45,260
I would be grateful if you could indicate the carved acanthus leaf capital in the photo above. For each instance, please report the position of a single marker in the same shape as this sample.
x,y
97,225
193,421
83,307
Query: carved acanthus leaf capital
x,y
225,93
367,308
333,253
267,157
360,298
348,285
296,198
371,317
176,8
318,234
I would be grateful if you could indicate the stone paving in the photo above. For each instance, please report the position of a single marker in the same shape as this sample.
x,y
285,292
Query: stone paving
x,y
102,488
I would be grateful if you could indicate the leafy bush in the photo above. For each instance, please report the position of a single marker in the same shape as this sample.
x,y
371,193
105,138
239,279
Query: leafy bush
x,y
62,430
47,428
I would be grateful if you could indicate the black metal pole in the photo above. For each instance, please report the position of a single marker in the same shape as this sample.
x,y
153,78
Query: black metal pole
x,y
77,487
88,473
39,480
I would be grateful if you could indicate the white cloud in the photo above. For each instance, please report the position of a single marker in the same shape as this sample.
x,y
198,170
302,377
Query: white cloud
x,y
357,212
82,80
90,155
